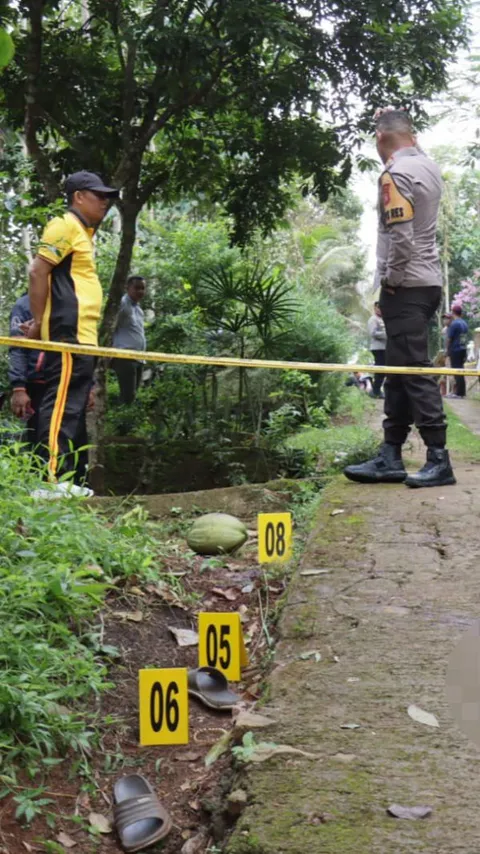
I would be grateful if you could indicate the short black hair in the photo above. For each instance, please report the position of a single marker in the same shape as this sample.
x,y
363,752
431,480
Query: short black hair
x,y
134,278
395,121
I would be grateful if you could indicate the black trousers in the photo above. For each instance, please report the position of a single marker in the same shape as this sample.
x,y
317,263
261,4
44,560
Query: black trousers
x,y
129,374
62,429
411,399
379,357
457,360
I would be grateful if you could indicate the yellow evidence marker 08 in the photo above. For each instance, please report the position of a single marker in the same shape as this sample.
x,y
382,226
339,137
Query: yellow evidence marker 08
x,y
274,537
221,644
163,704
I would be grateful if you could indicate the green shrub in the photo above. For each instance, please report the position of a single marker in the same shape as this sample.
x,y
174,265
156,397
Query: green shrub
x,y
57,560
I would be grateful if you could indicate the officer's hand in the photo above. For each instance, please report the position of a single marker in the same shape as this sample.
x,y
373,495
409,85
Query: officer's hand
x,y
21,404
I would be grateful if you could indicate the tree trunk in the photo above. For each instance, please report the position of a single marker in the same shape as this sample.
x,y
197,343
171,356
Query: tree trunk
x,y
34,67
130,211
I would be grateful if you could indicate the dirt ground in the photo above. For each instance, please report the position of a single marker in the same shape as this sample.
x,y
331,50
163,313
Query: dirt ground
x,y
397,585
136,621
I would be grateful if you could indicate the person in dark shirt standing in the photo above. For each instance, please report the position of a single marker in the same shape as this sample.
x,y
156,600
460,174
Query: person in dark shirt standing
x,y
457,335
26,375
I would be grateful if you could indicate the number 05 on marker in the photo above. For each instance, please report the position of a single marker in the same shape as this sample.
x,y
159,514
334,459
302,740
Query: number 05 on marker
x,y
274,537
163,701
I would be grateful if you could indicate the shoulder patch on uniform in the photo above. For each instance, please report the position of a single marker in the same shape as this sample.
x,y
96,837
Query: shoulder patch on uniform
x,y
395,206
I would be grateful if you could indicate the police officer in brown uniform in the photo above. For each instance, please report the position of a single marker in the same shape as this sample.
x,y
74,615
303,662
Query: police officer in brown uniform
x,y
409,273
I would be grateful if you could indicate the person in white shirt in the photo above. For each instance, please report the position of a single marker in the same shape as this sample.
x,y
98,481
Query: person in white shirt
x,y
378,341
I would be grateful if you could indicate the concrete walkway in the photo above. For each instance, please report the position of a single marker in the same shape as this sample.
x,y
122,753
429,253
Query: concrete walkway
x,y
400,584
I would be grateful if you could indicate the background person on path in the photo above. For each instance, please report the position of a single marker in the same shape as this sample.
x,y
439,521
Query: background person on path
x,y
378,340
130,335
65,301
409,272
457,338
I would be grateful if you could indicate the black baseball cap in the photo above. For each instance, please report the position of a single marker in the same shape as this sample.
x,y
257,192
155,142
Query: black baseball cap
x,y
88,181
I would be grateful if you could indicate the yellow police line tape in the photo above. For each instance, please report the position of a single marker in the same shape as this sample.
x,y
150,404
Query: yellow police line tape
x,y
228,361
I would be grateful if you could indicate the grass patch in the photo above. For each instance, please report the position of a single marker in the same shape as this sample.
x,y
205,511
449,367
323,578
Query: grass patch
x,y
58,559
332,448
336,447
460,439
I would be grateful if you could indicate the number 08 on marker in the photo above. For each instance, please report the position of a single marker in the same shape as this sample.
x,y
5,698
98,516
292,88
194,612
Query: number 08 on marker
x,y
274,537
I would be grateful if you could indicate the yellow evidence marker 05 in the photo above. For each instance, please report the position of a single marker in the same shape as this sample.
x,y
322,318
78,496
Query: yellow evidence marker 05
x,y
221,644
163,704
274,537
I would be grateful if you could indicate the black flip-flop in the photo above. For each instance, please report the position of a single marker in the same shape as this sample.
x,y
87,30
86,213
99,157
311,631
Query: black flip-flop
x,y
140,820
211,687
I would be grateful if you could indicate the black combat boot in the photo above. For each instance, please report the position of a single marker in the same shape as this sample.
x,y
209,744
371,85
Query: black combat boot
x,y
437,471
386,468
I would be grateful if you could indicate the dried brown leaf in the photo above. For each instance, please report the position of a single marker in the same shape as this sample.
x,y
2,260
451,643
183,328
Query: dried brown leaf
x,y
189,756
100,822
184,637
229,594
133,616
66,840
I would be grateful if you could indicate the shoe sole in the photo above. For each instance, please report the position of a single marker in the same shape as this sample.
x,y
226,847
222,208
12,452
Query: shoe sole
x,y
370,479
449,481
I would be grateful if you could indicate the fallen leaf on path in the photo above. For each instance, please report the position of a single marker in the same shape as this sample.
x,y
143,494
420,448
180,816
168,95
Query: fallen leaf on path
x,y
136,591
194,805
194,845
100,822
248,588
337,512
184,637
246,720
350,726
353,679
133,616
229,594
66,840
251,533
189,756
409,812
315,571
219,748
264,752
417,714
313,653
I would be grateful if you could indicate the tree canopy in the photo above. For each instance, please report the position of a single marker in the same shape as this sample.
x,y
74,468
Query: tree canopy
x,y
225,98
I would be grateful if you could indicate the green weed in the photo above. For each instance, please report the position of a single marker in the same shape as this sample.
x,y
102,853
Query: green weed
x,y
57,560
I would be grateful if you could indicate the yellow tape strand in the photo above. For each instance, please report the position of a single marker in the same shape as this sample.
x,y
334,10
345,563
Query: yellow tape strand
x,y
228,361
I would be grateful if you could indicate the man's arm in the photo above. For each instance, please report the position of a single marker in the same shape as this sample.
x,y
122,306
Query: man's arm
x,y
399,213
20,402
39,275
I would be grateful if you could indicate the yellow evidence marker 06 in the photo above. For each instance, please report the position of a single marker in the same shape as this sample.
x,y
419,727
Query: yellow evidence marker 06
x,y
274,537
221,644
163,704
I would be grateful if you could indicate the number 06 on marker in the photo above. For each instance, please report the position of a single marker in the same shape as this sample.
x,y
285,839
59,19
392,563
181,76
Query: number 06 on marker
x,y
163,702
274,537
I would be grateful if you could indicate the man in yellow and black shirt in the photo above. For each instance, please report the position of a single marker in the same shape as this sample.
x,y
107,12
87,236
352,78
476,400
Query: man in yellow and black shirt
x,y
66,301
